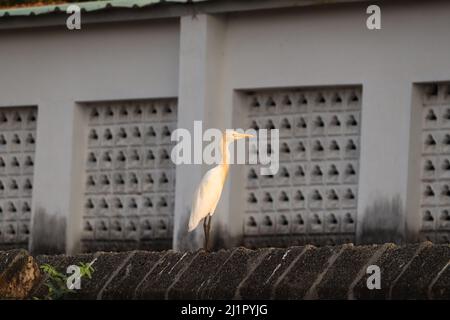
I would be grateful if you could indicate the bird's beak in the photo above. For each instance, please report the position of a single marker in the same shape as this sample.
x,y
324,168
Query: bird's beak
x,y
244,135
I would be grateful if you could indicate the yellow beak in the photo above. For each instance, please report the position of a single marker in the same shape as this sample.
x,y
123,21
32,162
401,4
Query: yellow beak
x,y
244,135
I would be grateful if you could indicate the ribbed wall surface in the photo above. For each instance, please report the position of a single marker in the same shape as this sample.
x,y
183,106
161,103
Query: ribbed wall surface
x,y
419,271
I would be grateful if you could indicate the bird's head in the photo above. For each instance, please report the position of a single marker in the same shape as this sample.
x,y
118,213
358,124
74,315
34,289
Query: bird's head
x,y
231,135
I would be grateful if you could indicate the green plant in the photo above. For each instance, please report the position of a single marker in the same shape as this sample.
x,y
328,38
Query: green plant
x,y
57,282
86,269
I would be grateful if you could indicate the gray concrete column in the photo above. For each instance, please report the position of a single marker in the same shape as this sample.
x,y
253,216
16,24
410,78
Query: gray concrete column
x,y
200,89
383,180
54,177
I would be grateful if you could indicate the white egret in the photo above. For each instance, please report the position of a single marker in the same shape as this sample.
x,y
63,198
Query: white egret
x,y
208,192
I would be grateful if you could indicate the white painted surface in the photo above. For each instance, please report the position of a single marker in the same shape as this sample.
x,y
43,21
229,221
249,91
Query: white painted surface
x,y
331,46
311,46
54,68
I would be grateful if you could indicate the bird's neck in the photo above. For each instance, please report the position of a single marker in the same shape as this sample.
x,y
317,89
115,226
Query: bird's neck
x,y
225,161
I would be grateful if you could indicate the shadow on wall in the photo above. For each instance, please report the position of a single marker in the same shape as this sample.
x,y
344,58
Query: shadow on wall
x,y
383,222
48,233
188,241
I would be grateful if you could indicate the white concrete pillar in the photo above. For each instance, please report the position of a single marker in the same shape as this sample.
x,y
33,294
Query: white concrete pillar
x,y
54,177
200,89
384,158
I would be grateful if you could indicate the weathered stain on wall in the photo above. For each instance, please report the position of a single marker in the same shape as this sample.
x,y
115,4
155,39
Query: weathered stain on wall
x,y
49,233
383,221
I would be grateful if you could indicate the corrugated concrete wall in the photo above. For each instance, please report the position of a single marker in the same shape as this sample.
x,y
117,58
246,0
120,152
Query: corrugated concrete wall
x,y
419,271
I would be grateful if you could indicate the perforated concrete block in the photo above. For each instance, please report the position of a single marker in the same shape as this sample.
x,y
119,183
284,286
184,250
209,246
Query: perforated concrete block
x,y
17,145
319,160
435,161
129,170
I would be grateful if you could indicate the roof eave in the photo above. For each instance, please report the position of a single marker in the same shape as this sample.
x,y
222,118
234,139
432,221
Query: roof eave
x,y
157,11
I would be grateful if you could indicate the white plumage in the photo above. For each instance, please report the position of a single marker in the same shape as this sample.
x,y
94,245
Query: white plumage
x,y
207,196
208,193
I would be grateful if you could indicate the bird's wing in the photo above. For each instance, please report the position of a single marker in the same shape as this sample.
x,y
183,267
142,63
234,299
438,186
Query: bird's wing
x,y
206,196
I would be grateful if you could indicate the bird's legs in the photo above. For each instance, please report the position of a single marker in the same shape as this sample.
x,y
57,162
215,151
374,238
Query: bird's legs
x,y
206,229
205,241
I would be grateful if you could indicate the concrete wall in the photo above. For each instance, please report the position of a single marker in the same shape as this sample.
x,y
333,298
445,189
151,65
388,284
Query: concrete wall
x,y
331,46
54,70
206,60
